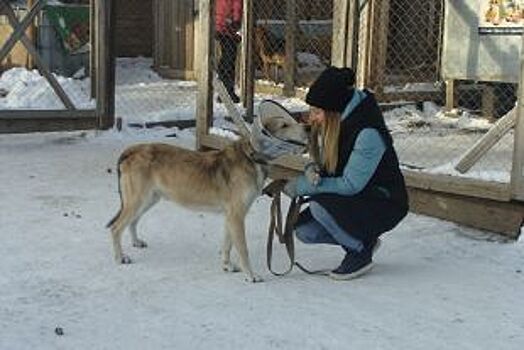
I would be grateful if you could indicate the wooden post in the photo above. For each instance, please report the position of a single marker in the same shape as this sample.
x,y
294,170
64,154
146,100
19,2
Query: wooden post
x,y
488,102
93,50
248,64
353,34
450,95
31,34
364,45
340,37
291,47
105,89
517,172
204,113
378,44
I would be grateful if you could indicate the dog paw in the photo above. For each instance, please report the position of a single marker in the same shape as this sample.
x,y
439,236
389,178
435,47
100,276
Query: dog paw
x,y
140,244
230,267
254,279
126,260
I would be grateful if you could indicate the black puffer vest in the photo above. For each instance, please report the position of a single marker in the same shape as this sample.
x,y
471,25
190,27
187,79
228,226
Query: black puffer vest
x,y
385,194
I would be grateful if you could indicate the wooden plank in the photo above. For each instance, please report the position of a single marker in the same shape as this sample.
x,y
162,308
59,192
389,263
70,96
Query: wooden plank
x,y
517,172
291,47
353,34
47,123
42,67
450,95
340,37
31,35
158,43
134,28
230,106
378,45
190,37
45,114
486,142
488,102
92,50
177,47
364,54
485,214
204,113
170,73
458,185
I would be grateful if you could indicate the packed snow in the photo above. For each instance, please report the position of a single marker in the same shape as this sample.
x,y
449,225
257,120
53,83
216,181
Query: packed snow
x,y
436,285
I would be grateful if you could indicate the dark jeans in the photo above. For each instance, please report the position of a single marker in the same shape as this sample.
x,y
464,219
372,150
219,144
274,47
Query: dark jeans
x,y
226,65
322,228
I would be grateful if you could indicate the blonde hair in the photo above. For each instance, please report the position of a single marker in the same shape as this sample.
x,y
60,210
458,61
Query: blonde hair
x,y
324,142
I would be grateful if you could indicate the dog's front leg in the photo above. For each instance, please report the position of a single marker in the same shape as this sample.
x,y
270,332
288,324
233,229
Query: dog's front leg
x,y
236,228
227,265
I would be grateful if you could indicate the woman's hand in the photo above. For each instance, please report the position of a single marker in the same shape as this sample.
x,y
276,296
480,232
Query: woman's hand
x,y
290,189
312,173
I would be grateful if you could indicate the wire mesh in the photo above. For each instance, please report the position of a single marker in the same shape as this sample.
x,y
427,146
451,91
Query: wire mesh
x,y
310,23
400,50
155,68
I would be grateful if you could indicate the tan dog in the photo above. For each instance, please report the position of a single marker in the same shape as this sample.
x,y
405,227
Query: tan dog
x,y
228,180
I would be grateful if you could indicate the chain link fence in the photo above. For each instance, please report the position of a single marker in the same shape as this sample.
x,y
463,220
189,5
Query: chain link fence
x,y
400,58
155,69
311,26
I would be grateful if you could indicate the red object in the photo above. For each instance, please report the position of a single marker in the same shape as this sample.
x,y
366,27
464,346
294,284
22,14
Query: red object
x,y
228,15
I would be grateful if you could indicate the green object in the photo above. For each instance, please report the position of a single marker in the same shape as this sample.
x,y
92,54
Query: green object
x,y
72,25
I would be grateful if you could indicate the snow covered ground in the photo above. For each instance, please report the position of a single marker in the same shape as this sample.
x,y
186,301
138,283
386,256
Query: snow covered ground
x,y
436,285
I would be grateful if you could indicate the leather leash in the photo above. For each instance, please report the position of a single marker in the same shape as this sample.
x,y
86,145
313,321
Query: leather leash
x,y
284,230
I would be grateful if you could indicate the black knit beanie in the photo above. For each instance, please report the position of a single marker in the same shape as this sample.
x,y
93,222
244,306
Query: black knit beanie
x,y
332,90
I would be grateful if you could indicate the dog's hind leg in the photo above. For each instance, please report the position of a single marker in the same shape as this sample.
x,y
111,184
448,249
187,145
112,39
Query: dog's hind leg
x,y
132,198
137,242
236,228
117,229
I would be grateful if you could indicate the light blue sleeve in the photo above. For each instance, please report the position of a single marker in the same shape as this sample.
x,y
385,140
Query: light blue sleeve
x,y
362,163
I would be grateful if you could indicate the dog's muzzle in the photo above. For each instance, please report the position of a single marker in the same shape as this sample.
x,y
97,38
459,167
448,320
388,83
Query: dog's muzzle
x,y
271,146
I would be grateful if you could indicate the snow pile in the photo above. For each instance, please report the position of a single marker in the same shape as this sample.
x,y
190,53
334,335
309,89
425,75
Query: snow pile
x,y
29,90
135,71
412,87
433,118
487,175
308,62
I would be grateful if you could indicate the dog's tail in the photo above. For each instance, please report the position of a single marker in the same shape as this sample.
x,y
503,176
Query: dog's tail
x,y
123,157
